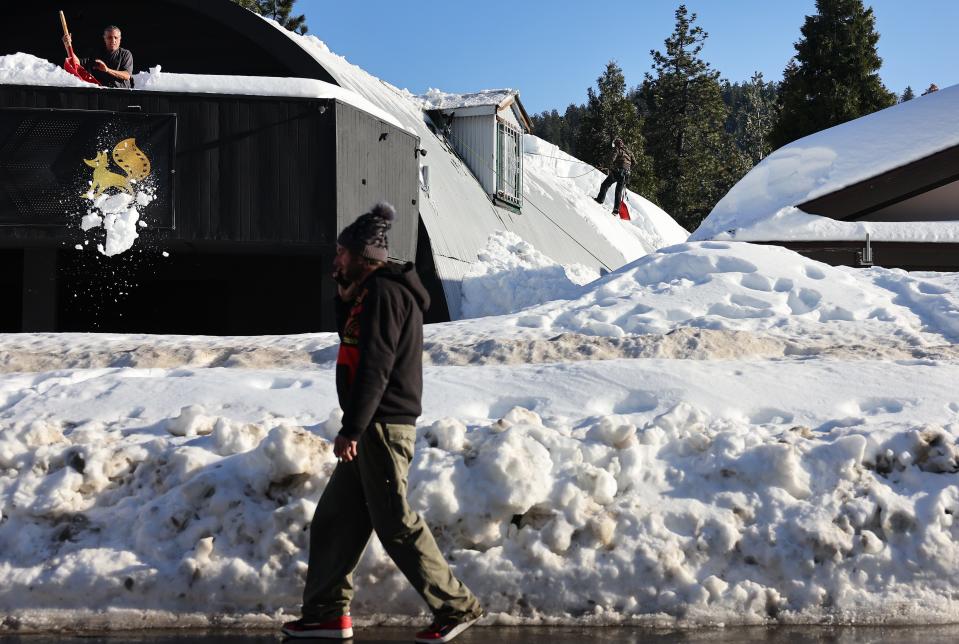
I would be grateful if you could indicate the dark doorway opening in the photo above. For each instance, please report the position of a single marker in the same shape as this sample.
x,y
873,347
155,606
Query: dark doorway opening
x,y
190,293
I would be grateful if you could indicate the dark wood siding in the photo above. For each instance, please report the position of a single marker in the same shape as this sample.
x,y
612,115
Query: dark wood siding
x,y
262,186
264,169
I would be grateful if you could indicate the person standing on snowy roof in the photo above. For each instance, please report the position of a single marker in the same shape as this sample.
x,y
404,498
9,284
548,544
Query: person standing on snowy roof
x,y
379,382
620,166
114,67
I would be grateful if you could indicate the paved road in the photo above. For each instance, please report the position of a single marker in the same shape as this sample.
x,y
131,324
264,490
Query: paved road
x,y
546,635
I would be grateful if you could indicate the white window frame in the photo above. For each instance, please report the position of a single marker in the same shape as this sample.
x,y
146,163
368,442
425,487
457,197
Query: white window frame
x,y
509,163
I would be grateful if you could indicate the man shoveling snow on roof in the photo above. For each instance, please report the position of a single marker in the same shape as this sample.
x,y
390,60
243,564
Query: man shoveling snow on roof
x,y
114,67
620,166
379,382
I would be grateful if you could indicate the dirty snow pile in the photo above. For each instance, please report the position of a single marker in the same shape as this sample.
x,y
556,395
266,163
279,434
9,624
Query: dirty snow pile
x,y
764,204
176,486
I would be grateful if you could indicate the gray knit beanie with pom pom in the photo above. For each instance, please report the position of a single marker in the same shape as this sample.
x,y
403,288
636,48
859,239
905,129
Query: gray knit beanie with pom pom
x,y
367,235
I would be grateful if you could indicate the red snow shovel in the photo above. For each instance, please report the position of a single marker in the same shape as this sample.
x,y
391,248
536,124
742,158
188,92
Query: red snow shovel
x,y
623,210
69,63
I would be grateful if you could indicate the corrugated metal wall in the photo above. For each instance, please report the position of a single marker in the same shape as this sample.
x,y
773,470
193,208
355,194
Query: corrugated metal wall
x,y
474,138
375,162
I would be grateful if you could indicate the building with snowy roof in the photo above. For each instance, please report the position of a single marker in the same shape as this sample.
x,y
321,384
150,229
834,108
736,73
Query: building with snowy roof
x,y
880,190
254,174
486,129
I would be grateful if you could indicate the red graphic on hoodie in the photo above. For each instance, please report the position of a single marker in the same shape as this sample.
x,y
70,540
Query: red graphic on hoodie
x,y
349,354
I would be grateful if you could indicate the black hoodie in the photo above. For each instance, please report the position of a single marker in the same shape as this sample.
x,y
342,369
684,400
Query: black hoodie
x,y
379,370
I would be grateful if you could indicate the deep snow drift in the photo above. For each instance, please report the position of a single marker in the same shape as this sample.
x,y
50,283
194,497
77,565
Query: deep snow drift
x,y
763,480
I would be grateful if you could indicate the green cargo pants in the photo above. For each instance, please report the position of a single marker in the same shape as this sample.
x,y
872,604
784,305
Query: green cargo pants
x,y
366,494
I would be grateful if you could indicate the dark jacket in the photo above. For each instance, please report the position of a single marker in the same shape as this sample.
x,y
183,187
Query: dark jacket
x,y
379,369
622,160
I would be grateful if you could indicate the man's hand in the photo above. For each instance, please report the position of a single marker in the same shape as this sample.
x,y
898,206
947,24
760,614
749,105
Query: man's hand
x,y
344,449
99,65
68,45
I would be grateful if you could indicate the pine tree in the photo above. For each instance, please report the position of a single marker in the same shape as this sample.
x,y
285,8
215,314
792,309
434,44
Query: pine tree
x,y
556,128
754,116
695,159
572,123
834,76
907,95
278,10
609,114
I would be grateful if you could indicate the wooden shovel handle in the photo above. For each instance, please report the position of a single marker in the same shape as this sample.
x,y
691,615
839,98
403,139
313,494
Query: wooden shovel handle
x,y
63,23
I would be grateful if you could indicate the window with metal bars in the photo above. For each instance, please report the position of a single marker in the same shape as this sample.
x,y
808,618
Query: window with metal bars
x,y
509,163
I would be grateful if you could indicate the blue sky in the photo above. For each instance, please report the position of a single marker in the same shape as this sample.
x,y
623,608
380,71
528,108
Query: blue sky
x,y
552,51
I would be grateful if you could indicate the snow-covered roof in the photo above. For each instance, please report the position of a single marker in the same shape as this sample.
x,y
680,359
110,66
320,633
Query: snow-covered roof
x,y
559,217
158,80
764,205
25,69
439,100
490,100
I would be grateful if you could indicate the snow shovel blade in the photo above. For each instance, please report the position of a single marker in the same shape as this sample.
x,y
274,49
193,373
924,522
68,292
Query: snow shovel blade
x,y
623,211
79,71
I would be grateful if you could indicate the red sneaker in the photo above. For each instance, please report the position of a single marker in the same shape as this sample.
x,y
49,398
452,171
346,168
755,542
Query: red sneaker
x,y
438,633
338,628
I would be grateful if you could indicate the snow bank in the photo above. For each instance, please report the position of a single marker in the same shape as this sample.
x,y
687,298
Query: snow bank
x,y
625,491
762,206
733,286
510,275
24,69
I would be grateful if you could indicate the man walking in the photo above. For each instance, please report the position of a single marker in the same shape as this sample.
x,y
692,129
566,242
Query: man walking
x,y
379,381
114,67
620,166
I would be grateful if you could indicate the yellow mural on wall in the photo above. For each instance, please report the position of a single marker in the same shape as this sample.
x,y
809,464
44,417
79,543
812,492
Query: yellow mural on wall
x,y
129,158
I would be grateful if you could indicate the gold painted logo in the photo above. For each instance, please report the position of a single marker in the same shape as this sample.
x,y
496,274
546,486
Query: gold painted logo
x,y
129,158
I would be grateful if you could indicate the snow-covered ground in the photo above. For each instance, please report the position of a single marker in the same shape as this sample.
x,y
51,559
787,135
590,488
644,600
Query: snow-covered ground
x,y
716,433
